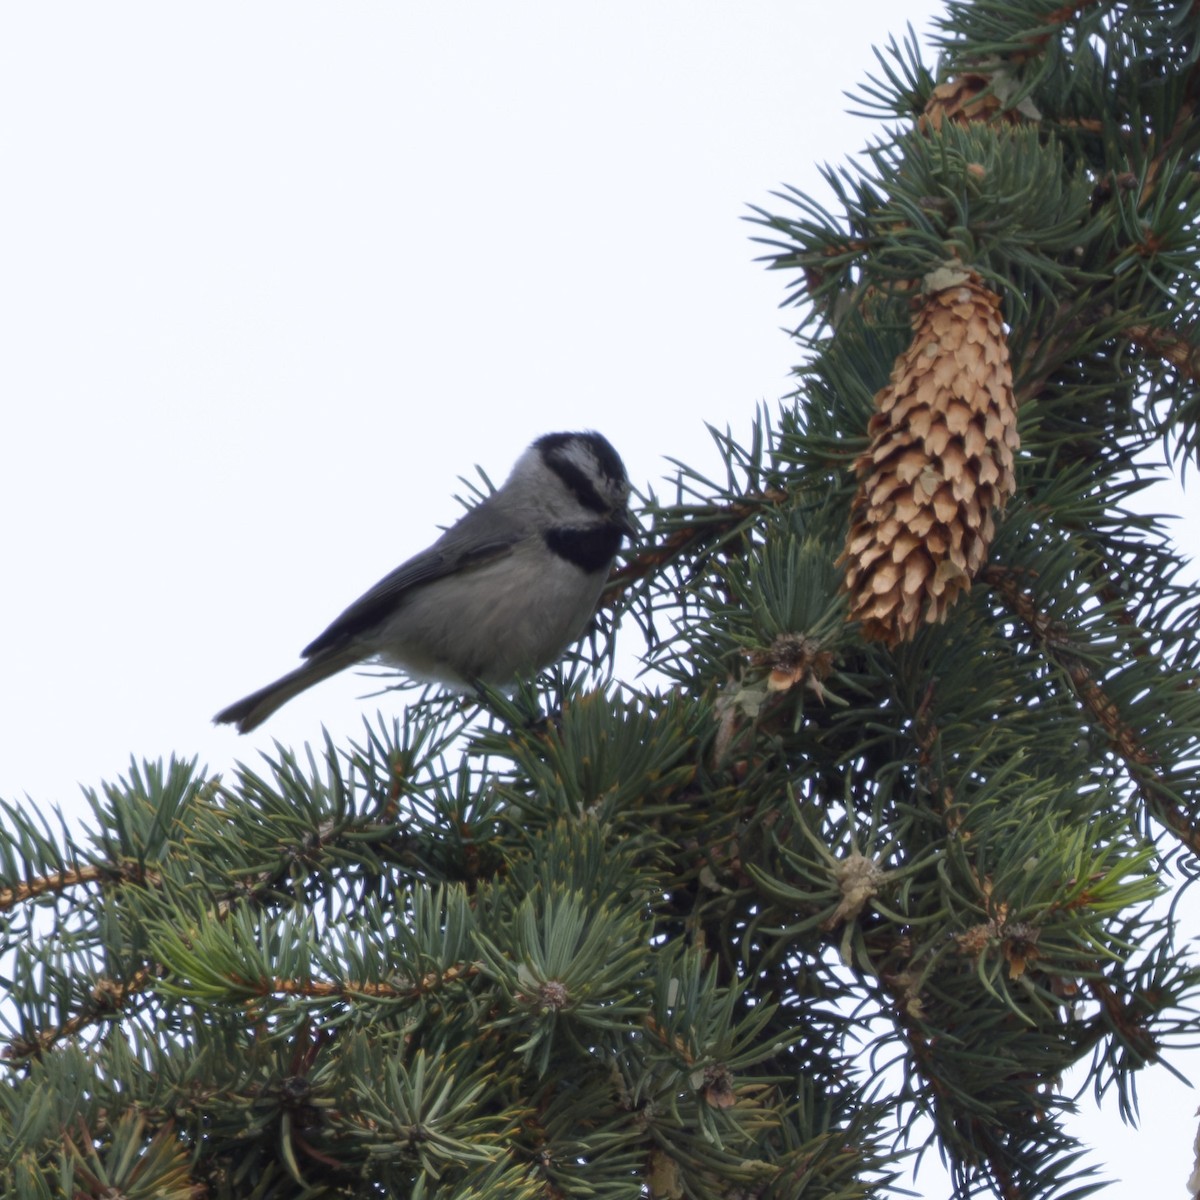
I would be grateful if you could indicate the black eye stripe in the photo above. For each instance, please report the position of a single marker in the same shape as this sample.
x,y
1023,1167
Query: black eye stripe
x,y
556,450
581,486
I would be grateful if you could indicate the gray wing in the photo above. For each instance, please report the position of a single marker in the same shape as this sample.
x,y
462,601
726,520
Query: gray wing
x,y
472,541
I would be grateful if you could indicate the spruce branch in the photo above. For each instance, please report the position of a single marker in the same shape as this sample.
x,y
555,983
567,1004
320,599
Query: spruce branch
x,y
1140,762
687,534
106,1001
65,880
318,989
1179,351
1128,1018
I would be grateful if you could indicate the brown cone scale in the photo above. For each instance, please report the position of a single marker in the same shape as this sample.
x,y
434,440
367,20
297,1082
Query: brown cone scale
x,y
967,98
939,465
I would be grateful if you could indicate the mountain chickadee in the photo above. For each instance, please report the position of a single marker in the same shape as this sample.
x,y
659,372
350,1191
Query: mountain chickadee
x,y
500,595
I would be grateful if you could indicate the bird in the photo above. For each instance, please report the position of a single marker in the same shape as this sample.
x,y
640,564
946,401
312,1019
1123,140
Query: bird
x,y
499,596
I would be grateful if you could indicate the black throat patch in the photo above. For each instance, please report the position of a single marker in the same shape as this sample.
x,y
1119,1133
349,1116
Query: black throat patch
x,y
591,548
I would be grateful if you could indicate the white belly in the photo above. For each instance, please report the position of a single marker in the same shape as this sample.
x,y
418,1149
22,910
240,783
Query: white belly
x,y
504,620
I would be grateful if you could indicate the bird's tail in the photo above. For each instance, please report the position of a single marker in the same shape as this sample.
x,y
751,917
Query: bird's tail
x,y
251,711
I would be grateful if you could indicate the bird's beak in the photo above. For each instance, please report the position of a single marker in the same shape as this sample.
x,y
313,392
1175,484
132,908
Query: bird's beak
x,y
624,521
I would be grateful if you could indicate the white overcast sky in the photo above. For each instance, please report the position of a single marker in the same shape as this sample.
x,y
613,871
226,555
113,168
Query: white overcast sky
x,y
273,275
